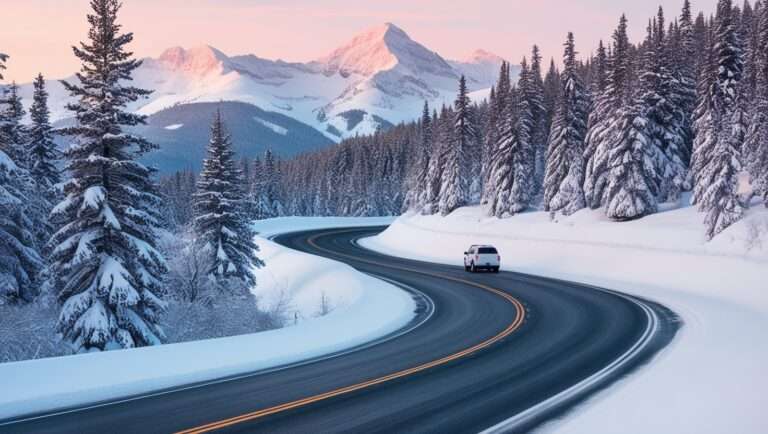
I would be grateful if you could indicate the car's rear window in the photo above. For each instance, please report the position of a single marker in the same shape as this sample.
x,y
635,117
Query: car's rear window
x,y
487,250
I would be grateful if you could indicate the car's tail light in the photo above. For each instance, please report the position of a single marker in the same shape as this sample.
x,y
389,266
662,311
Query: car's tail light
x,y
498,258
477,257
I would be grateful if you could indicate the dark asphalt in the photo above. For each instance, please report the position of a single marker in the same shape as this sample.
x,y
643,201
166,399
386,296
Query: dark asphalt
x,y
570,332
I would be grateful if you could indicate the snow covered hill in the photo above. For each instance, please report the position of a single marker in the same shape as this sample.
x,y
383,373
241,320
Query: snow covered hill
x,y
381,74
718,289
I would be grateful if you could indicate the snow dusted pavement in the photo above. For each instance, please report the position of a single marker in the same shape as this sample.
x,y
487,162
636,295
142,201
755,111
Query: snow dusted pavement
x,y
712,377
376,309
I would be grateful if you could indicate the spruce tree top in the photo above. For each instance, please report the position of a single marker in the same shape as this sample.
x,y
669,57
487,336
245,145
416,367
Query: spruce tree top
x,y
3,59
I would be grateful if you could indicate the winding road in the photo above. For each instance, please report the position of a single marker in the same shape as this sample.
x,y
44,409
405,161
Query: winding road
x,y
497,352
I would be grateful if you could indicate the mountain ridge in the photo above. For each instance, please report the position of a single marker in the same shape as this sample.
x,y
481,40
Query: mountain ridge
x,y
381,75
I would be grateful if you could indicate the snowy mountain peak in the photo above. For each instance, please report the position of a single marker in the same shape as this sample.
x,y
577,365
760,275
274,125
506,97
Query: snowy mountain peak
x,y
483,56
383,48
199,61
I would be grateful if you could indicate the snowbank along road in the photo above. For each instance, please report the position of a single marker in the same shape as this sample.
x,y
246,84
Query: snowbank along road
x,y
499,352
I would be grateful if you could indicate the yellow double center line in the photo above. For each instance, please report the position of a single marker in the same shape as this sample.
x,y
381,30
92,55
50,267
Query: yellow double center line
x,y
519,318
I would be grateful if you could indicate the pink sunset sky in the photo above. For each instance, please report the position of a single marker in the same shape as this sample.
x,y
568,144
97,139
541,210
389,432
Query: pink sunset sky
x,y
38,33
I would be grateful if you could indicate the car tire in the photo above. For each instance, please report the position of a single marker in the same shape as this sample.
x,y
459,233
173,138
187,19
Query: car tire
x,y
466,268
495,269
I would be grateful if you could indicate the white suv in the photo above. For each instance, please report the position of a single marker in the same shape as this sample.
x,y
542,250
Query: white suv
x,y
481,257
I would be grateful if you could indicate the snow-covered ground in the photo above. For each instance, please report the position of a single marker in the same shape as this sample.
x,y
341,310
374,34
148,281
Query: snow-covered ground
x,y
374,307
712,378
307,282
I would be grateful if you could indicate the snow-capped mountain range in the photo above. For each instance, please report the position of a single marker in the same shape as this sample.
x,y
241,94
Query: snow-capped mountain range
x,y
380,77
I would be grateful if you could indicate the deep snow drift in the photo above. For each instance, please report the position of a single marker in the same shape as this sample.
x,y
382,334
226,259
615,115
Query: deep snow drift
x,y
374,307
712,377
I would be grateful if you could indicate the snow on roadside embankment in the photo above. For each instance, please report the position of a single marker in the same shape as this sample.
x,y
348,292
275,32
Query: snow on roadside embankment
x,y
712,377
364,308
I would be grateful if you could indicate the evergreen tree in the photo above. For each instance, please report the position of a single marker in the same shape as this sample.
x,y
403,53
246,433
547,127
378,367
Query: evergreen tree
x,y
634,157
600,66
565,160
222,230
455,182
268,203
253,187
686,56
20,261
416,196
540,125
511,184
13,134
496,120
41,148
701,38
104,252
436,163
501,176
523,147
756,142
719,132
3,59
665,98
602,132
552,88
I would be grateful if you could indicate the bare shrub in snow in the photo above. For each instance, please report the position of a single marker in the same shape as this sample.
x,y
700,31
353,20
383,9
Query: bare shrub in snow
x,y
224,316
325,305
28,332
757,232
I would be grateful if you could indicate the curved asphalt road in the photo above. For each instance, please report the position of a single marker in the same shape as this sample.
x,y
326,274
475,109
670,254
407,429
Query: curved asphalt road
x,y
496,346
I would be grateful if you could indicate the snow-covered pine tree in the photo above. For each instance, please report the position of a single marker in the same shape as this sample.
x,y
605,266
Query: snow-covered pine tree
x,y
440,135
634,156
501,175
13,134
523,148
416,195
603,120
3,59
222,230
269,194
510,185
719,133
252,187
747,32
20,260
109,271
665,98
756,142
540,124
41,149
457,161
701,29
599,70
565,160
686,70
495,120
552,88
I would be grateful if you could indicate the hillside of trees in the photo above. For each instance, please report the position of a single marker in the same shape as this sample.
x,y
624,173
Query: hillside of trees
x,y
629,127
